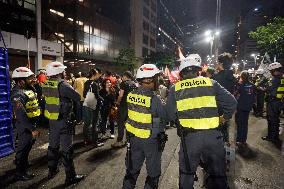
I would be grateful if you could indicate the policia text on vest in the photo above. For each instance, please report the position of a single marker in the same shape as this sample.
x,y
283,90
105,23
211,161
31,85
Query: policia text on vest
x,y
197,107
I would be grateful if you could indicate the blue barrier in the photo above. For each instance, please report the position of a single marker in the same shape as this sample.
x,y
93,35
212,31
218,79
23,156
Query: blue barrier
x,y
6,130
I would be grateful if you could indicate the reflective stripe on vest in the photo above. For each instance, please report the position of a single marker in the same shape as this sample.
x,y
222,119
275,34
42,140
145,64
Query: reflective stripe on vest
x,y
280,90
141,133
51,94
196,104
139,121
31,106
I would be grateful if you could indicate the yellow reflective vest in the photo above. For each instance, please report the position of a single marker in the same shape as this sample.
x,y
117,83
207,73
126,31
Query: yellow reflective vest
x,y
280,90
52,101
139,121
31,106
196,104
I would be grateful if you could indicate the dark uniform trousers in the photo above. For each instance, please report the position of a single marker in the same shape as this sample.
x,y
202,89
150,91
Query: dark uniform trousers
x,y
25,142
274,108
208,146
241,118
60,135
142,149
260,101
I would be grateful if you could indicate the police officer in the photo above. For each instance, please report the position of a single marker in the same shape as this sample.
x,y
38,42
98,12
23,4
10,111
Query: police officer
x,y
26,110
261,84
245,95
59,96
193,103
275,92
144,128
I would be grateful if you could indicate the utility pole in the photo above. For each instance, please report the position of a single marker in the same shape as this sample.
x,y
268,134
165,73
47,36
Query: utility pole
x,y
38,62
218,17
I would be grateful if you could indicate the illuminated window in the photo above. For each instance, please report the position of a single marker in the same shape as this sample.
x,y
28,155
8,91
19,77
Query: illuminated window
x,y
59,35
80,23
56,12
71,19
86,28
96,32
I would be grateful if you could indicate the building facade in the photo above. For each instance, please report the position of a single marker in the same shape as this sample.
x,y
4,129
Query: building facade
x,y
143,27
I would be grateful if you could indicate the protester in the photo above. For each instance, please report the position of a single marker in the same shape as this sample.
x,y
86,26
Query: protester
x,y
245,95
126,87
109,95
91,111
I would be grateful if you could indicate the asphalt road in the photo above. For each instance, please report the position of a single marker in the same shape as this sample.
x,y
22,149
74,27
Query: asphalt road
x,y
260,166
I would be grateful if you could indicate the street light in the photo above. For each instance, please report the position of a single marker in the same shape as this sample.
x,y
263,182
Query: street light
x,y
210,38
254,57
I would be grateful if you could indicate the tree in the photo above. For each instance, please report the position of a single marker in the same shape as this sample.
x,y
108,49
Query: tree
x,y
160,59
127,58
270,38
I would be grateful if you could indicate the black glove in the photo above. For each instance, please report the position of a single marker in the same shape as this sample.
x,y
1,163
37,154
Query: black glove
x,y
162,139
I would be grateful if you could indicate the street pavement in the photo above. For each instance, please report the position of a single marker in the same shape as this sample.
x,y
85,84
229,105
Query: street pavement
x,y
259,166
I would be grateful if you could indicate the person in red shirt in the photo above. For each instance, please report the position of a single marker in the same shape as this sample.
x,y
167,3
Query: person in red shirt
x,y
42,76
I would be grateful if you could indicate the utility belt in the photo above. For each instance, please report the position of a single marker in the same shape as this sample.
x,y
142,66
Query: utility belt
x,y
186,131
273,99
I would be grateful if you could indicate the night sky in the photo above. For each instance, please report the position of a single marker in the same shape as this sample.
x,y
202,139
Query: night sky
x,y
197,16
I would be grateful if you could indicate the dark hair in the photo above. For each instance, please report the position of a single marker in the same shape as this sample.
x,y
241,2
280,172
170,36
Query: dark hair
x,y
161,81
128,74
99,70
190,72
92,72
211,70
245,76
104,83
108,73
19,79
226,59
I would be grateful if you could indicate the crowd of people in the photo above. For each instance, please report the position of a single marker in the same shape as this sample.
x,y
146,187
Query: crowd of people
x,y
200,105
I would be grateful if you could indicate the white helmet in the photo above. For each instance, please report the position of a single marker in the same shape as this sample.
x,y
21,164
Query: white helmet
x,y
147,71
274,66
190,60
259,72
54,68
250,71
22,72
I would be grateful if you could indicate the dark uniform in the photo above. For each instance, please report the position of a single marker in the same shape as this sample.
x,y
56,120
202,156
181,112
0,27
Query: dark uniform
x,y
193,102
145,111
26,110
275,92
245,94
261,84
59,96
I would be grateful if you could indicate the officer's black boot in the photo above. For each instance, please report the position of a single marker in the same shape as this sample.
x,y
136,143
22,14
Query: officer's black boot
x,y
21,173
71,176
53,156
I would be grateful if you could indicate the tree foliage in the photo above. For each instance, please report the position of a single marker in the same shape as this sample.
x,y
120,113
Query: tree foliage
x,y
127,58
270,38
160,59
